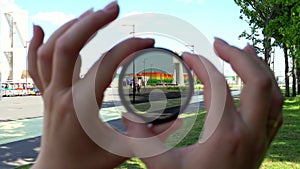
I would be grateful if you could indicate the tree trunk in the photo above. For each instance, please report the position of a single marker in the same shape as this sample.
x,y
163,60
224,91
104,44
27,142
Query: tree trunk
x,y
286,72
294,73
298,81
268,49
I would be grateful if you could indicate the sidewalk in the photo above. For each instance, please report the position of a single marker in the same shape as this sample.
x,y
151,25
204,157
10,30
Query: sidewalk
x,y
25,151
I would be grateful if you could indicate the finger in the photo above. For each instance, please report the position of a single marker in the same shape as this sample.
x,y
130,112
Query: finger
x,y
35,43
277,97
71,42
250,50
275,128
45,53
162,129
135,127
159,128
216,93
256,94
195,63
77,68
275,113
107,65
141,130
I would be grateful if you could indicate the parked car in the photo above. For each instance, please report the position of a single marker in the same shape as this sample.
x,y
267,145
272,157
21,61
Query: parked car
x,y
35,92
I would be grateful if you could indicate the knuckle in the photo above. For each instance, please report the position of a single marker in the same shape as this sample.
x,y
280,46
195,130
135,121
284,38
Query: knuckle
x,y
62,45
263,81
279,99
43,54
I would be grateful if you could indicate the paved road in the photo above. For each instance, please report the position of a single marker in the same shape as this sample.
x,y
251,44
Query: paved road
x,y
16,108
21,123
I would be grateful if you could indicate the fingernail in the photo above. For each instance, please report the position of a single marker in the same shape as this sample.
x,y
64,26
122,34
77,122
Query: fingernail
x,y
33,27
186,53
111,6
86,13
220,42
150,40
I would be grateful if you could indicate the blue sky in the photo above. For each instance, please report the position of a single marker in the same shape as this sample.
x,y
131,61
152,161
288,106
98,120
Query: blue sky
x,y
214,18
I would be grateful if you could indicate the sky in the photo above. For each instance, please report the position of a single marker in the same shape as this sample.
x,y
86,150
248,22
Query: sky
x,y
211,17
214,18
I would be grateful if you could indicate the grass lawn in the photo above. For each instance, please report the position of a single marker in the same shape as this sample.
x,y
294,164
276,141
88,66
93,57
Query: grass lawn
x,y
285,149
283,154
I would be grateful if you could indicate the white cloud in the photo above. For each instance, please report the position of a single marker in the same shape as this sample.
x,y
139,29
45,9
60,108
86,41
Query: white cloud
x,y
7,5
54,18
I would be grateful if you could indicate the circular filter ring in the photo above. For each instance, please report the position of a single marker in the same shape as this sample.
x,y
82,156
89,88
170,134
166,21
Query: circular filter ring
x,y
183,106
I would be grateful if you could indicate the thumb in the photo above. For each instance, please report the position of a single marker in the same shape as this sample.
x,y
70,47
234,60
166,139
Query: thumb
x,y
136,127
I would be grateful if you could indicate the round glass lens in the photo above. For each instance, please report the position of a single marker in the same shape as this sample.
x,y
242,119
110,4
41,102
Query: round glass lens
x,y
155,85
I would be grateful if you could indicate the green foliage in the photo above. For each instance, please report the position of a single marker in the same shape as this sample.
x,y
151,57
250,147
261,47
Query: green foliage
x,y
278,20
258,14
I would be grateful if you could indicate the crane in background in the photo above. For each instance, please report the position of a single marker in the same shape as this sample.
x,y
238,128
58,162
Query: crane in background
x,y
13,29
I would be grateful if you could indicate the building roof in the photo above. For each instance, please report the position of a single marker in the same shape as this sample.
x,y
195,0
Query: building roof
x,y
152,70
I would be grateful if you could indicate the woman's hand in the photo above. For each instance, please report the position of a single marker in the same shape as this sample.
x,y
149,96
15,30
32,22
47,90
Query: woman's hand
x,y
55,70
244,133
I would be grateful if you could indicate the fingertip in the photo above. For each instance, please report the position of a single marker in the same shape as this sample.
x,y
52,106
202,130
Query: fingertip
x,y
187,55
147,41
159,128
132,121
219,45
224,50
188,58
220,41
137,130
250,50
37,30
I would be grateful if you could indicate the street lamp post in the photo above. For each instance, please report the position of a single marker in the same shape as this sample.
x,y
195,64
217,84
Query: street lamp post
x,y
151,73
133,62
0,81
145,72
26,75
192,47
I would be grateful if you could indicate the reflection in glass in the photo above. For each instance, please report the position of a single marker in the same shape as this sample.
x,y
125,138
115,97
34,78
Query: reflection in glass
x,y
156,85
